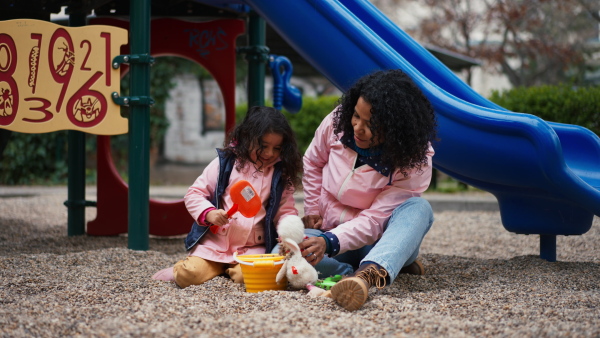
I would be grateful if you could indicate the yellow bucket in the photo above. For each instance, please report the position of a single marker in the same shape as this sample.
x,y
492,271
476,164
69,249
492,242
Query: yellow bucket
x,y
260,271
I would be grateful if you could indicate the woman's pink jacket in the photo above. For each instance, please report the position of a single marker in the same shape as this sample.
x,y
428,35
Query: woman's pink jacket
x,y
355,203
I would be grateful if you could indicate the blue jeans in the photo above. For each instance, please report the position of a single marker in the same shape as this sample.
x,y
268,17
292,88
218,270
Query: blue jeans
x,y
398,246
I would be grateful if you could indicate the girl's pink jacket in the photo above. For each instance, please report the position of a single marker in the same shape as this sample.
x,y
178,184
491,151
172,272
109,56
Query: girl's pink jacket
x,y
355,203
244,235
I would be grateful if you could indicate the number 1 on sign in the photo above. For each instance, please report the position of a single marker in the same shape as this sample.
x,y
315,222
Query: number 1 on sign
x,y
34,61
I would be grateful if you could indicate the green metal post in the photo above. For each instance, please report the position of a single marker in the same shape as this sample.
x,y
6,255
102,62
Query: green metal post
x,y
257,57
139,128
76,162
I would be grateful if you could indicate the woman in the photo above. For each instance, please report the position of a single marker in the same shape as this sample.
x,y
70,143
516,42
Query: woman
x,y
365,170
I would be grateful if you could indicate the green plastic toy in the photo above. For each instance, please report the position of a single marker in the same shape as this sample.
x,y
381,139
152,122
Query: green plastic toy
x,y
328,282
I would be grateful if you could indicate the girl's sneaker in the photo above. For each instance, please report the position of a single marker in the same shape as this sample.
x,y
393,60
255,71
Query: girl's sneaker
x,y
165,275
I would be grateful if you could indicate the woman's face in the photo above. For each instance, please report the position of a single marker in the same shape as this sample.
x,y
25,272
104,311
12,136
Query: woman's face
x,y
268,149
361,122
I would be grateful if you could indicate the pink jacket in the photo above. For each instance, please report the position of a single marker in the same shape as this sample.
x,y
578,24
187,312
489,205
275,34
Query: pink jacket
x,y
355,203
244,235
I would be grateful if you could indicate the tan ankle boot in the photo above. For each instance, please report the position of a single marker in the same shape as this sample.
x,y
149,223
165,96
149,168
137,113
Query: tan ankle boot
x,y
352,291
414,268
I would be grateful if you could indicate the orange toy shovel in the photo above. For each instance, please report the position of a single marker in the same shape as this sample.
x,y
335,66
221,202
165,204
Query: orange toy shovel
x,y
245,200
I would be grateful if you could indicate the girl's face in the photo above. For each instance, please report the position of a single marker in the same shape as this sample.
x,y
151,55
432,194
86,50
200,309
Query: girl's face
x,y
361,122
268,149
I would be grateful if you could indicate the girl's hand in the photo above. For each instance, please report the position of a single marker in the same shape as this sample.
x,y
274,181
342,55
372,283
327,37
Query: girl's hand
x,y
313,249
217,217
312,221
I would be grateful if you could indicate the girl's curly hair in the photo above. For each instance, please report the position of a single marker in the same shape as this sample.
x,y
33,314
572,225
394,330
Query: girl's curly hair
x,y
400,114
247,136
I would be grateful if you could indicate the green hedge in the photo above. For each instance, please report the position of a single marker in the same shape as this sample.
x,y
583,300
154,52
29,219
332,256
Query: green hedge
x,y
35,159
305,122
564,104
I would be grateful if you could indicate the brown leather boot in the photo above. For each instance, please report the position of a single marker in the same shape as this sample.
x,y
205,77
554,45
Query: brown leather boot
x,y
352,291
414,268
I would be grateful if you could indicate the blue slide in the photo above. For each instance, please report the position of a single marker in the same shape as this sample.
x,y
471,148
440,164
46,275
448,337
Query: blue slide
x,y
546,176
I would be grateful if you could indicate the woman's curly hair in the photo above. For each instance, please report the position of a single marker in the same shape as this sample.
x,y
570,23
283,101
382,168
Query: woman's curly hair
x,y
400,114
247,136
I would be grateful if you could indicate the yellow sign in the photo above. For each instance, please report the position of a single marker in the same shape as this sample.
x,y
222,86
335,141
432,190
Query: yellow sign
x,y
54,77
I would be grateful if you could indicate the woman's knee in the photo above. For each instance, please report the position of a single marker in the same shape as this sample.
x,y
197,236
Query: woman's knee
x,y
312,232
418,203
416,206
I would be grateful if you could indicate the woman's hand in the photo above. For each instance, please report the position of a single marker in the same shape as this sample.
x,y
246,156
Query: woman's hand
x,y
312,221
313,249
217,217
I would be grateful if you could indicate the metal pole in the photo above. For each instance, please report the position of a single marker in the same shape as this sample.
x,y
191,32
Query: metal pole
x,y
548,247
139,128
76,162
257,60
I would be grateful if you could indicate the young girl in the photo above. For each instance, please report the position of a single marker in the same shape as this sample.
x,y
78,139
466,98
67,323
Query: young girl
x,y
263,151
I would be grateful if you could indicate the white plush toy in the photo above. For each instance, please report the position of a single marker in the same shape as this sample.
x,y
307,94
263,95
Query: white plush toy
x,y
298,271
291,227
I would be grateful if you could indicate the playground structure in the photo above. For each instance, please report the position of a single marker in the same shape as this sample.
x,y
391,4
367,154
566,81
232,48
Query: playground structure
x,y
210,44
546,176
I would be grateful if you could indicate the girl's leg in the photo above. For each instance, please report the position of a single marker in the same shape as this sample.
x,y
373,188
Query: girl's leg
x,y
194,270
401,240
235,273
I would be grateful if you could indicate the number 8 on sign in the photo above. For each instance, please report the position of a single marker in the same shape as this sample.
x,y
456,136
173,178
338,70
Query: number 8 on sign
x,y
9,92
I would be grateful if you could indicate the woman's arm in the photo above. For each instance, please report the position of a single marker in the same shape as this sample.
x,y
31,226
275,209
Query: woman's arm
x,y
315,158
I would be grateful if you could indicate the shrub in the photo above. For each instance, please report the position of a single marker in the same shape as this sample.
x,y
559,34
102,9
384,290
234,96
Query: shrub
x,y
35,159
563,103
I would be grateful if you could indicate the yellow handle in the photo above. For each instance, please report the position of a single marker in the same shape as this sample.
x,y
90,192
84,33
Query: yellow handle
x,y
258,263
264,264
